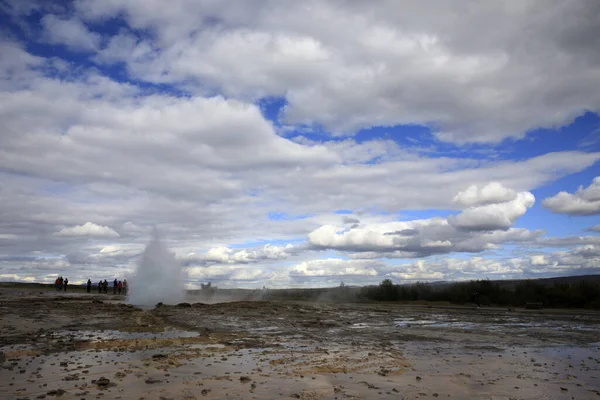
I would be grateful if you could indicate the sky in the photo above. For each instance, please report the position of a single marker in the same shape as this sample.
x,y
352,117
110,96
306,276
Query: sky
x,y
300,143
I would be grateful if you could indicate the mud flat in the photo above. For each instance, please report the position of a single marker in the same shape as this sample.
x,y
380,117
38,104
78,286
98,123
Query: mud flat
x,y
58,346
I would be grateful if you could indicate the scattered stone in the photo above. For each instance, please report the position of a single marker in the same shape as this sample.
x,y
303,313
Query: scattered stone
x,y
56,392
369,385
244,379
157,356
564,389
204,392
419,378
184,305
103,382
73,377
120,375
150,381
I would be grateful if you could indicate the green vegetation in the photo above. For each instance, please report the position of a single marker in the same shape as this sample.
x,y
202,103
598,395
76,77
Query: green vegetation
x,y
580,294
565,292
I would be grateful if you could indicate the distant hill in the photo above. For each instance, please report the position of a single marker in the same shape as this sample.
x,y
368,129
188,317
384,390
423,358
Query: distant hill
x,y
511,283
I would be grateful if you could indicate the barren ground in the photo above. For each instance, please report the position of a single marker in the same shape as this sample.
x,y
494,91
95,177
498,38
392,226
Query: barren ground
x,y
79,346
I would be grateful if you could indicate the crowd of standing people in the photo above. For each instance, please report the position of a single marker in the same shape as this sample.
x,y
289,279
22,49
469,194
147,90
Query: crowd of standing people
x,y
60,284
119,287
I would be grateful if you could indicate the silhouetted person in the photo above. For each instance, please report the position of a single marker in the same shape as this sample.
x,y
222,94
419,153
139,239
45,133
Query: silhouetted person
x,y
100,285
105,285
125,286
476,299
89,285
65,283
115,283
120,287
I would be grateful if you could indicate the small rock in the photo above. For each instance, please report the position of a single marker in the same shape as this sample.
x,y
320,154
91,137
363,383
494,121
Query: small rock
x,y
103,382
56,392
244,379
204,392
564,389
152,380
157,356
184,305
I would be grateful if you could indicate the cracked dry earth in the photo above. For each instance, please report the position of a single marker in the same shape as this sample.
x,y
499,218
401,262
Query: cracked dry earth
x,y
57,346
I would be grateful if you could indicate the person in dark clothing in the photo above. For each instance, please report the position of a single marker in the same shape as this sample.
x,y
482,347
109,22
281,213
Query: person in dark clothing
x,y
120,287
115,283
89,285
476,299
65,283
105,286
100,286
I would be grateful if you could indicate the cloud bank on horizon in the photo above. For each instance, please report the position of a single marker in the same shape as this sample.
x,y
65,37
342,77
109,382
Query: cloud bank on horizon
x,y
295,144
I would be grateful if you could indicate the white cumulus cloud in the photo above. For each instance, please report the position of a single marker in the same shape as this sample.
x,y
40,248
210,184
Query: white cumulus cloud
x,y
70,32
87,229
493,192
494,216
585,201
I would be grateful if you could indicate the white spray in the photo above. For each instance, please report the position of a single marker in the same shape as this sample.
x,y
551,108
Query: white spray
x,y
157,278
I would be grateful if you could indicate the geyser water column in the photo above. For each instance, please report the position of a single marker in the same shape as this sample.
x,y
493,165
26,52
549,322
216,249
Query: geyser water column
x,y
157,278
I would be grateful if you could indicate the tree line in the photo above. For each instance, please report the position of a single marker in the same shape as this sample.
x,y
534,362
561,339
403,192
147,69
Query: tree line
x,y
579,294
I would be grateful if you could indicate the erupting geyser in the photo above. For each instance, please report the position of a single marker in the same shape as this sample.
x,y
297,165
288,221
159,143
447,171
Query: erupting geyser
x,y
157,278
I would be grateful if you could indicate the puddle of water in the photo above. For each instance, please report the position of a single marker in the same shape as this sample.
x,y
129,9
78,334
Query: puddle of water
x,y
97,336
495,324
267,330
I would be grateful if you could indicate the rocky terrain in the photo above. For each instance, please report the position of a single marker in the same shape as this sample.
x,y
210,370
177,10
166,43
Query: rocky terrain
x,y
79,346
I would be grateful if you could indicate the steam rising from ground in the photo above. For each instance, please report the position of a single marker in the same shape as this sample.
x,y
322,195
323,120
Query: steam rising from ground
x,y
157,278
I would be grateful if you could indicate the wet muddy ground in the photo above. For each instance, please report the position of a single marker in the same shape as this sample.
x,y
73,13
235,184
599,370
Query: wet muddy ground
x,y
97,347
